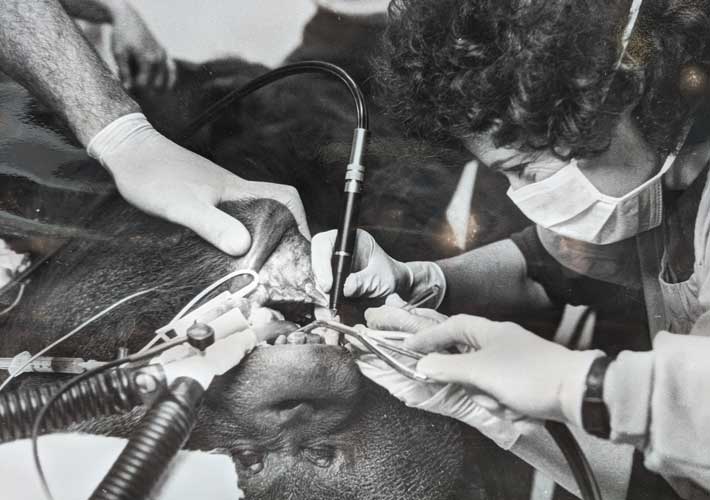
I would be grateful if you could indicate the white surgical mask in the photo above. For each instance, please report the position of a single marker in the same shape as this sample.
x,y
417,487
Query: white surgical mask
x,y
571,206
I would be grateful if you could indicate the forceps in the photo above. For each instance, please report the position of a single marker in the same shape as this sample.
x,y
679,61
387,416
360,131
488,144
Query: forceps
x,y
376,346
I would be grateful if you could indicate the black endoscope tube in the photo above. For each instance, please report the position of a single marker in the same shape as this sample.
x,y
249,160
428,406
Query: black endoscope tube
x,y
344,247
211,113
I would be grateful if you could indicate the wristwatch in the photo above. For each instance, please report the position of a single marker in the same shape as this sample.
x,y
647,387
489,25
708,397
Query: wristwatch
x,y
595,414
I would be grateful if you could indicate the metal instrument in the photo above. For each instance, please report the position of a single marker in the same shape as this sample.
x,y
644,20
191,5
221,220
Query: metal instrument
x,y
376,346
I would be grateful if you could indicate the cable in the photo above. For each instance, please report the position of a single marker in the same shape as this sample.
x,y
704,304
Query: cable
x,y
73,332
17,300
134,358
581,470
211,113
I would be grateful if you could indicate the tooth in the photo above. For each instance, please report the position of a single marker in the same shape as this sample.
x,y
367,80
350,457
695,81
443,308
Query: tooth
x,y
314,338
296,338
280,340
330,337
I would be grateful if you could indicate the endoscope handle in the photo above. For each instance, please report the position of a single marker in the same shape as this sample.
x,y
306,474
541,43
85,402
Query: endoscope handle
x,y
159,436
344,246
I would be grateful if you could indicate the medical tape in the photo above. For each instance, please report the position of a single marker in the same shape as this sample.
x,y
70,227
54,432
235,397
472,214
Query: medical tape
x,y
220,301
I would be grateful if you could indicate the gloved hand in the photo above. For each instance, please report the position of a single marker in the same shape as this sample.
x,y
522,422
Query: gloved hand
x,y
375,274
443,399
392,317
529,375
168,181
141,59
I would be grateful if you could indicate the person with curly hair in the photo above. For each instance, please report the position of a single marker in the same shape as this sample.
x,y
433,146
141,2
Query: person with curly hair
x,y
594,112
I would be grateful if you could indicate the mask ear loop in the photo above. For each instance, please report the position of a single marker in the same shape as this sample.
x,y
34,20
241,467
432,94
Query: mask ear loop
x,y
634,11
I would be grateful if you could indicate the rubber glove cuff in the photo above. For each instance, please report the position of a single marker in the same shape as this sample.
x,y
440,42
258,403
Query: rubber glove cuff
x,y
118,133
422,277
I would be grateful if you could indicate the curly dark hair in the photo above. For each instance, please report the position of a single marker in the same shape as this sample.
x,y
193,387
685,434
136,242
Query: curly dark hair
x,y
538,69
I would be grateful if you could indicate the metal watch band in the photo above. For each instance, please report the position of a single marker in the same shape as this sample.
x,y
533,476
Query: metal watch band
x,y
595,414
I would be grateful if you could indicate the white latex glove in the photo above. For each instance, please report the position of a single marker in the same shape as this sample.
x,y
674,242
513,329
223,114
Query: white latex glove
x,y
529,375
443,399
168,181
141,59
391,317
374,273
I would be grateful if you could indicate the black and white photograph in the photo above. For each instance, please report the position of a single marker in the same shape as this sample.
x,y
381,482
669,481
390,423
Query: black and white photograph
x,y
354,250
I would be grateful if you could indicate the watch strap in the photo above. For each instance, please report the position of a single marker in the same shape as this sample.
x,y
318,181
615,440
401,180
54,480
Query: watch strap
x,y
595,414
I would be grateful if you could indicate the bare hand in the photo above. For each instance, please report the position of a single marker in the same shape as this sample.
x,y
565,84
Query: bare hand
x,y
141,60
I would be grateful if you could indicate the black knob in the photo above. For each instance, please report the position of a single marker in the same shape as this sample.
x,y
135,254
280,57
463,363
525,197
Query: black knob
x,y
200,336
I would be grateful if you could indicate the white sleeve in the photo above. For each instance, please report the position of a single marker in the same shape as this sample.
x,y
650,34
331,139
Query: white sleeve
x,y
658,402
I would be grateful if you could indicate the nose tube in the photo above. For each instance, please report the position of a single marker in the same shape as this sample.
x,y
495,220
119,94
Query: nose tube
x,y
344,247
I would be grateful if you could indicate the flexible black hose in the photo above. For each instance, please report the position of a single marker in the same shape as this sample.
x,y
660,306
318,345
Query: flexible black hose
x,y
105,394
159,436
581,470
211,113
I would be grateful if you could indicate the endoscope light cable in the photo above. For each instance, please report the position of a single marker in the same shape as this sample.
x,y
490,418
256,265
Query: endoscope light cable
x,y
36,427
212,112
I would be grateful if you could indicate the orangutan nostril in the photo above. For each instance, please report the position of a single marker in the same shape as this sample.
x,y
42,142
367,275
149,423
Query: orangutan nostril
x,y
250,460
256,468
288,404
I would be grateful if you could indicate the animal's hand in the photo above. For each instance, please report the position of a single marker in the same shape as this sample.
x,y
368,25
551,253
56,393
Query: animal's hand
x,y
530,375
141,59
168,181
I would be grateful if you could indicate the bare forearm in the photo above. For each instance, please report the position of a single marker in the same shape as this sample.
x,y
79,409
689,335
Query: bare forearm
x,y
41,48
491,281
